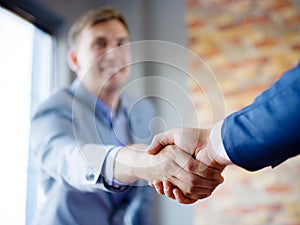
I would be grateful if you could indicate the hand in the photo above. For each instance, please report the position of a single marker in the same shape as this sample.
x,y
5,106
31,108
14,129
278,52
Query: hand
x,y
196,181
191,140
170,190
192,177
173,192
195,142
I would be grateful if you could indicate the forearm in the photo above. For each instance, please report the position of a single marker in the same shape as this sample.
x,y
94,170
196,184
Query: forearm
x,y
265,132
75,167
62,156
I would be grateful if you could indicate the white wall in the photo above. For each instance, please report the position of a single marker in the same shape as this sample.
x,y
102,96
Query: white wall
x,y
165,21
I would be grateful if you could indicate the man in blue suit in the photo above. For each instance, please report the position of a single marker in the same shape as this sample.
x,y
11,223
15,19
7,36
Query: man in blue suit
x,y
83,137
265,133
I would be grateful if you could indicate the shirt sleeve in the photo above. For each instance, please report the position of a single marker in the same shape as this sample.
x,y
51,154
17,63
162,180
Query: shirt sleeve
x,y
217,143
62,156
108,171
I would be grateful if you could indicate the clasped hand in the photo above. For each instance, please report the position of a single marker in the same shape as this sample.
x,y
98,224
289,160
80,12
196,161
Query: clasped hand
x,y
193,173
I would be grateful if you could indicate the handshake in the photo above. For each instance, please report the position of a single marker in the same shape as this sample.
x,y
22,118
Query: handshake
x,y
202,169
179,163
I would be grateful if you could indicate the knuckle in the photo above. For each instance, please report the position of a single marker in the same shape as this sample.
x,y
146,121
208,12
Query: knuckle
x,y
155,138
170,147
190,167
166,166
208,173
193,182
202,168
158,138
189,190
214,184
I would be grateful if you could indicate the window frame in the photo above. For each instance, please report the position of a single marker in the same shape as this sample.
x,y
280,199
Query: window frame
x,y
36,14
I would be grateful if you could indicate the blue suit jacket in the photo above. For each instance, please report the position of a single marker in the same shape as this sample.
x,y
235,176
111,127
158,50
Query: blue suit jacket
x,y
75,194
267,132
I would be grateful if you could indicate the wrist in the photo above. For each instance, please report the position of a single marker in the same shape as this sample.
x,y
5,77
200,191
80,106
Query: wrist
x,y
128,162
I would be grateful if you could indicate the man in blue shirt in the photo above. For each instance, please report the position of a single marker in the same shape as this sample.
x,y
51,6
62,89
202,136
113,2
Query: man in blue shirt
x,y
91,172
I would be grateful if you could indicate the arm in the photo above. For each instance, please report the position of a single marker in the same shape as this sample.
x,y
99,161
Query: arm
x,y
263,134
266,133
67,148
80,166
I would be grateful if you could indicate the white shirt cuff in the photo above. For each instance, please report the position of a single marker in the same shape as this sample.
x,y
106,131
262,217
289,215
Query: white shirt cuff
x,y
216,142
109,169
110,164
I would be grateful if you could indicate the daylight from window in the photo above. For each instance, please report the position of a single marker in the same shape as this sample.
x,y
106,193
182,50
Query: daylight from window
x,y
17,51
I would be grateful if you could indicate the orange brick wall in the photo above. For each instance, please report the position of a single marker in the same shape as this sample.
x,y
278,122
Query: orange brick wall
x,y
248,44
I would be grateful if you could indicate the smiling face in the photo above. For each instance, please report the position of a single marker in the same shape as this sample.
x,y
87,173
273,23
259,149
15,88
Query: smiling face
x,y
100,56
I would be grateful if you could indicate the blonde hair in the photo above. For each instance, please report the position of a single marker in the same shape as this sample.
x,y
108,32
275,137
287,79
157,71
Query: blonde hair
x,y
92,18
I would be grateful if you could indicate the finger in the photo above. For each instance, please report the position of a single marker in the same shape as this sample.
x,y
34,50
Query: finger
x,y
217,166
184,200
168,189
159,187
189,190
203,156
208,172
186,177
159,141
192,181
198,192
196,167
181,198
156,144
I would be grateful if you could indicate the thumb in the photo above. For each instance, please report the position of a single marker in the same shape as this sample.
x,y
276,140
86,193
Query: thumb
x,y
159,141
203,157
206,157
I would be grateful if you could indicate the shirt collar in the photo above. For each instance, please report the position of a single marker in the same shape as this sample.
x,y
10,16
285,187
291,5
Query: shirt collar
x,y
107,113
101,108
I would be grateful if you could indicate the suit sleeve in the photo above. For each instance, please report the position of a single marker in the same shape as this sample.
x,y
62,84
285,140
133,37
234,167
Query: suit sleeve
x,y
267,132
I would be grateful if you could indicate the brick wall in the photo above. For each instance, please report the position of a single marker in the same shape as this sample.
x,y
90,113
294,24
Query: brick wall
x,y
247,44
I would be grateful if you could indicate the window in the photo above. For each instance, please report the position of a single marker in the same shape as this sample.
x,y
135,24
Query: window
x,y
26,58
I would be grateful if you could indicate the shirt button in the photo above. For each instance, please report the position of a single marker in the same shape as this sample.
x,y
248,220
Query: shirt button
x,y
89,177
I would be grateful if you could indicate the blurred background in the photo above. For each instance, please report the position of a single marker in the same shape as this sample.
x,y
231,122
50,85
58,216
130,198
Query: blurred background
x,y
246,44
